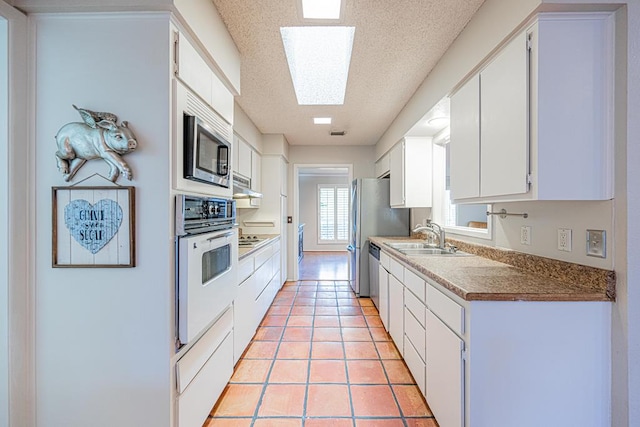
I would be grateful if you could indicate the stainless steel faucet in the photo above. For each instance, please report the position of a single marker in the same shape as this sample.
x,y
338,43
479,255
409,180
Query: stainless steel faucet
x,y
434,228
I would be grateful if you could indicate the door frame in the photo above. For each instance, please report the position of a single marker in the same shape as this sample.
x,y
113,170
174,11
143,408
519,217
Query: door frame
x,y
293,253
17,301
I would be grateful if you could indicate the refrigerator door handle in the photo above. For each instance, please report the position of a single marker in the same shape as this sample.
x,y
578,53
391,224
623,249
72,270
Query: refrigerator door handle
x,y
351,248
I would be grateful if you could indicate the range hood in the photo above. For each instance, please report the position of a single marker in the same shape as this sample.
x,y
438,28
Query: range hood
x,y
242,190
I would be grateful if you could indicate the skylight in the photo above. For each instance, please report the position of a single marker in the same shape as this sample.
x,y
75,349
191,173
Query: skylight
x,y
318,60
321,9
322,120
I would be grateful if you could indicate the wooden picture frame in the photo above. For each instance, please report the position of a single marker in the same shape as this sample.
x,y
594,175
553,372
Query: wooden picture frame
x,y
93,227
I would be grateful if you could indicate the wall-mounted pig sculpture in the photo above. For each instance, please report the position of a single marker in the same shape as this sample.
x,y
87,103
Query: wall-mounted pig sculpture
x,y
99,137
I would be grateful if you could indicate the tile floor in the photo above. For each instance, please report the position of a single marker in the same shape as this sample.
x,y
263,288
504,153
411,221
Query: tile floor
x,y
321,358
317,265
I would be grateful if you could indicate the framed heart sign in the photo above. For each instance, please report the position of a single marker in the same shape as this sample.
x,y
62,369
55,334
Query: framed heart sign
x,y
93,226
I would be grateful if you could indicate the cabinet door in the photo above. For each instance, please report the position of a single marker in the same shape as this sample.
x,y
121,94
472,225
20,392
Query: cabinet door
x,y
383,277
396,312
193,71
256,176
243,325
465,141
504,112
445,373
396,167
382,166
244,159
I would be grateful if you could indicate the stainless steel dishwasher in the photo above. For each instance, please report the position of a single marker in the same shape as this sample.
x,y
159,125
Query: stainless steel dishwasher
x,y
374,284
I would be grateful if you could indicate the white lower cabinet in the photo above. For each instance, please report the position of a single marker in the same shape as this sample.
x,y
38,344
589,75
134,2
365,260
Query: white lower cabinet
x,y
445,373
383,310
396,312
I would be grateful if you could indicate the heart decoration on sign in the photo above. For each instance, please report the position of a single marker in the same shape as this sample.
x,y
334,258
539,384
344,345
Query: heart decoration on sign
x,y
93,226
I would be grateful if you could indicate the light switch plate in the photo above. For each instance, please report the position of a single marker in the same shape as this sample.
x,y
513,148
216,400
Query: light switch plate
x,y
597,243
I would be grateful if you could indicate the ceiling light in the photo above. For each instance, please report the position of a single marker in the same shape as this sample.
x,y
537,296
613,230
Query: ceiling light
x,y
322,120
318,59
321,9
438,122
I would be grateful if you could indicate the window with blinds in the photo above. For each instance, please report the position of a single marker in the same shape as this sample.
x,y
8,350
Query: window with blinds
x,y
333,213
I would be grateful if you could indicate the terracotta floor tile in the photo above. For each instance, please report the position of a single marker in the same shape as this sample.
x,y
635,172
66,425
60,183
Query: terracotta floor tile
x,y
294,350
278,422
283,400
238,400
289,371
421,422
345,294
326,321
326,311
356,334
281,310
374,321
327,334
327,371
300,321
391,422
349,302
297,334
261,350
366,372
397,372
360,350
387,350
307,294
303,310
352,321
304,301
251,371
328,400
326,285
307,283
379,334
373,400
228,422
328,422
283,299
273,320
370,311
349,310
366,302
326,302
327,350
326,294
411,402
268,333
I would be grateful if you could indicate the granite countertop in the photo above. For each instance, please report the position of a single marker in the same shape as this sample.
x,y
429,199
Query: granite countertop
x,y
479,278
244,251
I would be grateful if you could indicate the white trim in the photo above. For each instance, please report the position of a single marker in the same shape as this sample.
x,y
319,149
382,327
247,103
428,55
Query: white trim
x,y
293,255
20,194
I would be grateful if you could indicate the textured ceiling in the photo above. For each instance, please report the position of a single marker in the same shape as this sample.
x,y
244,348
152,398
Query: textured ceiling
x,y
397,43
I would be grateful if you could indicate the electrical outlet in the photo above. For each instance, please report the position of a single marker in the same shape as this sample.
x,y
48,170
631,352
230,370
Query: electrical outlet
x,y
525,235
597,243
564,239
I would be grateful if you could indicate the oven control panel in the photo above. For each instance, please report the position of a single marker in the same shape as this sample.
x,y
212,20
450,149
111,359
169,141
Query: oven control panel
x,y
196,215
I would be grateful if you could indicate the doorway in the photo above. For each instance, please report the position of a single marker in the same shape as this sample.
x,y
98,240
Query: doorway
x,y
322,220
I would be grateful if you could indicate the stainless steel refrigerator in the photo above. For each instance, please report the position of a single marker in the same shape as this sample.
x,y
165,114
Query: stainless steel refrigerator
x,y
371,216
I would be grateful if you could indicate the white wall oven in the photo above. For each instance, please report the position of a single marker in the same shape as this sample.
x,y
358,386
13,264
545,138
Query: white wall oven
x,y
206,255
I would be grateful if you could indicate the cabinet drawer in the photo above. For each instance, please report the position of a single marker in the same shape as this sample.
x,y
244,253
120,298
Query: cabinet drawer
x,y
262,256
385,260
414,331
415,284
415,306
415,364
396,269
245,269
449,311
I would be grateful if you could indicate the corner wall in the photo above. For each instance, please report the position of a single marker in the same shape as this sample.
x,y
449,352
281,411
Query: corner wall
x,y
104,335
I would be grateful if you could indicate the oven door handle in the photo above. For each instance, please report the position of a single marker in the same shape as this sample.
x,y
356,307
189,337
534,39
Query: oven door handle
x,y
210,239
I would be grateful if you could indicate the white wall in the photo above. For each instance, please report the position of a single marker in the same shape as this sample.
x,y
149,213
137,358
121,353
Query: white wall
x,y
308,213
362,157
104,336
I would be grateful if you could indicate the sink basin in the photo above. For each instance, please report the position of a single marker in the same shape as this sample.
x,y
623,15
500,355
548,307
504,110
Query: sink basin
x,y
410,245
432,251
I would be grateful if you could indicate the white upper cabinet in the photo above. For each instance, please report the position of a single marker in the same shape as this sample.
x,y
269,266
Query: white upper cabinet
x,y
382,166
194,72
536,122
244,158
411,175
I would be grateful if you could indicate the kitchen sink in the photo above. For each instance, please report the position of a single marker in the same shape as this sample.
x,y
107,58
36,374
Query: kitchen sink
x,y
431,251
411,245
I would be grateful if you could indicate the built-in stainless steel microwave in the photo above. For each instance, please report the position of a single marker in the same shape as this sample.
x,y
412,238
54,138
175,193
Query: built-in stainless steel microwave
x,y
206,153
